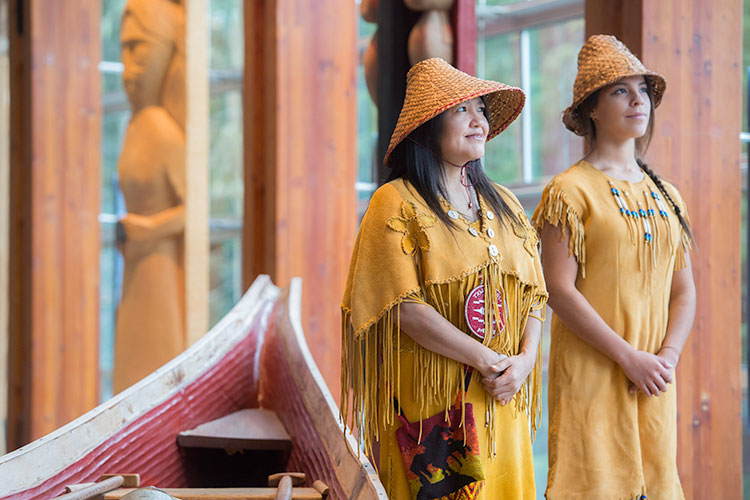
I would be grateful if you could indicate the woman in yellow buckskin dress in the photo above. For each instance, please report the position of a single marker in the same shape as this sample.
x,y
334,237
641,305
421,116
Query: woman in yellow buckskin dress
x,y
439,241
615,243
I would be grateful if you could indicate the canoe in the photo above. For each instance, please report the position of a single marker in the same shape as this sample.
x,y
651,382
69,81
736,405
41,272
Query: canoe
x,y
255,357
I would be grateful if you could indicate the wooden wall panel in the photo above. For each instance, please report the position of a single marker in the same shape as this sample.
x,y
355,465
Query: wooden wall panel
x,y
300,157
54,229
257,90
4,206
4,216
622,18
697,46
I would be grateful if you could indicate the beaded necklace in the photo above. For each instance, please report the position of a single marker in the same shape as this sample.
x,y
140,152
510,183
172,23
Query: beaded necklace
x,y
642,219
474,308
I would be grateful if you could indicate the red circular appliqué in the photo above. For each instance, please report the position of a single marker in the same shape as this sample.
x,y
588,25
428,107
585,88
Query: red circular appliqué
x,y
475,311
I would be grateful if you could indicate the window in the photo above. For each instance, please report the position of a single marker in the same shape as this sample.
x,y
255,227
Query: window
x,y
367,124
225,156
532,45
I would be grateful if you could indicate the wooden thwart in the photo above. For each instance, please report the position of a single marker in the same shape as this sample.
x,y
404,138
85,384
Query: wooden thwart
x,y
249,429
128,480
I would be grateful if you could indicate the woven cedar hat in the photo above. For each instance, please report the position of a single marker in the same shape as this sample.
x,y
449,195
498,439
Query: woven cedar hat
x,y
433,85
602,61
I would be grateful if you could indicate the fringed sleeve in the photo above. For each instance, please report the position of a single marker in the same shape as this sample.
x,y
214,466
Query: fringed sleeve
x,y
383,273
559,209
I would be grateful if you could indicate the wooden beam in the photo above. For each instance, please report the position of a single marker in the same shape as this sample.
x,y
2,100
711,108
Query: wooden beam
x,y
622,18
259,92
465,35
696,44
197,128
395,22
54,207
300,157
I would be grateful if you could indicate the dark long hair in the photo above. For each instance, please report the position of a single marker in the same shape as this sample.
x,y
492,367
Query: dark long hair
x,y
580,120
419,162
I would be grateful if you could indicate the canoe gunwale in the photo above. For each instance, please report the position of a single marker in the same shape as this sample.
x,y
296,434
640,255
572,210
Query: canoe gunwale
x,y
356,476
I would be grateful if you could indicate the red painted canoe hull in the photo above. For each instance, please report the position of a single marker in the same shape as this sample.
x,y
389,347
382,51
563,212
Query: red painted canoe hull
x,y
257,350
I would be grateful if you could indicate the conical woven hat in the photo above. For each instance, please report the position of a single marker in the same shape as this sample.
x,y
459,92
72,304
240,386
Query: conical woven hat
x,y
602,61
433,85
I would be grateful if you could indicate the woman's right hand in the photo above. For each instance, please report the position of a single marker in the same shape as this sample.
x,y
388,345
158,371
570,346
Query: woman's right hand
x,y
487,366
649,373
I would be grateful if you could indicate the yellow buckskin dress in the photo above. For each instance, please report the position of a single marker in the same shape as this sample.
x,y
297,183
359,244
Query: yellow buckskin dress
x,y
403,252
605,443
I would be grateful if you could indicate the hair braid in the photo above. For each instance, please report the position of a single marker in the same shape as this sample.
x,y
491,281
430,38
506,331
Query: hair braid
x,y
675,207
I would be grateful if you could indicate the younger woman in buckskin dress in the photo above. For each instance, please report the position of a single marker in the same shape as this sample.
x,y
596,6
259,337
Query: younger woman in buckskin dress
x,y
615,243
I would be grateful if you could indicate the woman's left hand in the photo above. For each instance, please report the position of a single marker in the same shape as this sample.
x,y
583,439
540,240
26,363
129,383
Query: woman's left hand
x,y
512,373
672,356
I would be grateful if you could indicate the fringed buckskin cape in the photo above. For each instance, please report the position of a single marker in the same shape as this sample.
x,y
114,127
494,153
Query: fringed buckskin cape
x,y
403,252
603,441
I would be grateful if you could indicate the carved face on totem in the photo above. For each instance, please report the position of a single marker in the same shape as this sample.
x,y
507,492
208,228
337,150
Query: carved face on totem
x,y
145,56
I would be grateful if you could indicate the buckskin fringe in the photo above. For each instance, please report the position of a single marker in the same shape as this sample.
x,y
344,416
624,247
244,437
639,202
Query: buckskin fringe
x,y
684,247
557,210
371,354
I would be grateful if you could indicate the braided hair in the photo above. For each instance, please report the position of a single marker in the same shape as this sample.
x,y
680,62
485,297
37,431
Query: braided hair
x,y
675,207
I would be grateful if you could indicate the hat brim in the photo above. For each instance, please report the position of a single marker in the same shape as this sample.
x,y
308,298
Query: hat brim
x,y
504,104
658,87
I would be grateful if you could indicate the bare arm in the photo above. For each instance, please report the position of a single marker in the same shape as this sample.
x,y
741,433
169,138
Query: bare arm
x,y
435,333
649,373
681,313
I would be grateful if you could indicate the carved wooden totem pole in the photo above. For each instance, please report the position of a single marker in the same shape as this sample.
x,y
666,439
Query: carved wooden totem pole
x,y
150,326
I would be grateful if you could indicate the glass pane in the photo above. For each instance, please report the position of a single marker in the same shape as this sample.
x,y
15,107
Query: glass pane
x,y
115,117
367,125
499,58
554,51
225,163
114,123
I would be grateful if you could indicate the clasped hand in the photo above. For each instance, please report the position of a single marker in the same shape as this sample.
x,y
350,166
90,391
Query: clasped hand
x,y
648,373
504,378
